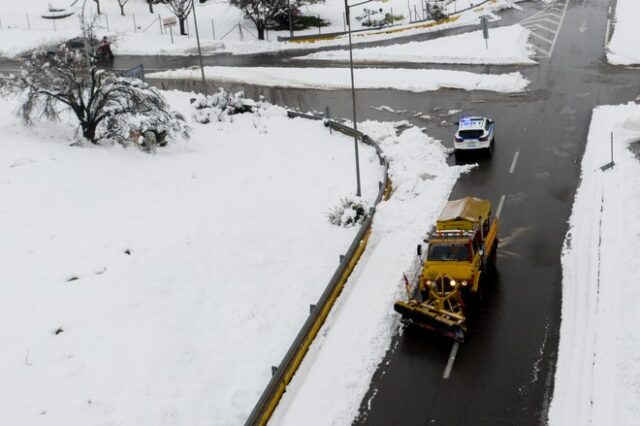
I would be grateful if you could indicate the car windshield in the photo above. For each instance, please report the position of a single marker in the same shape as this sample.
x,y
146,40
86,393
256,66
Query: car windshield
x,y
458,252
471,134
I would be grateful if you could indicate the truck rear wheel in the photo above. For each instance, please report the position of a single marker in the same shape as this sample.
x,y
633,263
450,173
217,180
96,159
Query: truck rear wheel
x,y
493,257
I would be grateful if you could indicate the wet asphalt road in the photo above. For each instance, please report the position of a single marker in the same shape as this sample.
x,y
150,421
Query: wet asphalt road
x,y
503,374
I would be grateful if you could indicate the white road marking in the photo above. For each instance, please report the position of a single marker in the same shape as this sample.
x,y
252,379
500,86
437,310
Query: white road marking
x,y
541,50
547,18
564,12
539,21
542,27
538,36
500,205
513,163
452,358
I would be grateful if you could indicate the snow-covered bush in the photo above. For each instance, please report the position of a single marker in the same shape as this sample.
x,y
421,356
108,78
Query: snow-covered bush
x,y
351,211
147,132
374,18
437,13
221,106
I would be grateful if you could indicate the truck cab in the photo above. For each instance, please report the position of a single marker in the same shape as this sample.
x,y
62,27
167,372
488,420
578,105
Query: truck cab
x,y
460,252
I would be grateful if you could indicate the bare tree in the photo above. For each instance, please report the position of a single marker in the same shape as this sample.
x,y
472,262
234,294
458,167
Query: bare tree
x,y
103,102
150,3
181,9
122,3
98,6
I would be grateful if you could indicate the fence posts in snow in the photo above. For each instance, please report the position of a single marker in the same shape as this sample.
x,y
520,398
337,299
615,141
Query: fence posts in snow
x,y
213,30
240,31
160,22
28,22
134,24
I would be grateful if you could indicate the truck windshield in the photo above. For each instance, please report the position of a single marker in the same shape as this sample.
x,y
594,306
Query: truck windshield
x,y
448,252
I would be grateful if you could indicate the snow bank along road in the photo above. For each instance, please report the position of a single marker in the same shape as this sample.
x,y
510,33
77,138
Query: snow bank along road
x,y
504,374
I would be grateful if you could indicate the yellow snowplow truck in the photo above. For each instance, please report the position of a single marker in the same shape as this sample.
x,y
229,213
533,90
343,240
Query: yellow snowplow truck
x,y
460,254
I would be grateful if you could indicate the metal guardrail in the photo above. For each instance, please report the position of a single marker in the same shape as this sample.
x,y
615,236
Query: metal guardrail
x,y
284,373
396,27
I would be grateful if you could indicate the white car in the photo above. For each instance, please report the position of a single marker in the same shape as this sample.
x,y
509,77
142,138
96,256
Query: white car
x,y
474,133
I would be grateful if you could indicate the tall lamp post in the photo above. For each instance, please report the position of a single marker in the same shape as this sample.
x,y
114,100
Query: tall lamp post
x,y
347,8
195,21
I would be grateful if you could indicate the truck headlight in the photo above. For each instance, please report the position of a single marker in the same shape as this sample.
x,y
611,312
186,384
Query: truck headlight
x,y
452,283
464,283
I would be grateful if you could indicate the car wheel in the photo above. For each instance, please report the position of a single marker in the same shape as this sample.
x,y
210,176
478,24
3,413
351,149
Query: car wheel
x,y
491,147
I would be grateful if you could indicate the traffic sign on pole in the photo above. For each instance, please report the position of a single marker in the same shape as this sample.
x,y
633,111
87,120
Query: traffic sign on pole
x,y
484,22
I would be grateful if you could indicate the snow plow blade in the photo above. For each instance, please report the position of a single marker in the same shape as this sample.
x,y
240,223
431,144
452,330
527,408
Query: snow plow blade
x,y
445,323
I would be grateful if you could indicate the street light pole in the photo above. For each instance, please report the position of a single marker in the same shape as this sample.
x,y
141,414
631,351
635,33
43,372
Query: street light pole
x,y
353,99
204,82
290,20
85,42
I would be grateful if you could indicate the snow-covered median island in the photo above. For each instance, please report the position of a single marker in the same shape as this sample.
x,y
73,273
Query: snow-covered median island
x,y
598,369
413,80
159,289
506,45
623,49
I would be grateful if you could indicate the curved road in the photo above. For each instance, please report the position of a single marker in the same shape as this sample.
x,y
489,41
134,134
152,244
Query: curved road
x,y
503,374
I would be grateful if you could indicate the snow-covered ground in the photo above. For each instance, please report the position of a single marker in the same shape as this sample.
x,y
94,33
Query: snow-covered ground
x,y
159,289
414,80
506,45
598,369
139,32
598,358
623,49
597,372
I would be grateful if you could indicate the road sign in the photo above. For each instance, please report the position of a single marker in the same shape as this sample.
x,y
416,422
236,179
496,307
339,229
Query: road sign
x,y
484,22
170,21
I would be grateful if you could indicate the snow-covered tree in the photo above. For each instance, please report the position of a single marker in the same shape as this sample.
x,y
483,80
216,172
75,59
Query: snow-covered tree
x,y
107,106
181,10
260,11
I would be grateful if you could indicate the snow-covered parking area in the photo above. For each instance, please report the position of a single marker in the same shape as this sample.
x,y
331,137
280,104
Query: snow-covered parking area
x,y
159,289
